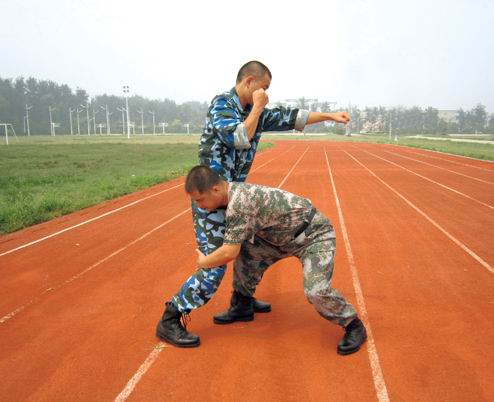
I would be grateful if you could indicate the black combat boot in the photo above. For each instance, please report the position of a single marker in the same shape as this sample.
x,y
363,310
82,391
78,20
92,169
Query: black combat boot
x,y
261,307
241,309
355,336
170,328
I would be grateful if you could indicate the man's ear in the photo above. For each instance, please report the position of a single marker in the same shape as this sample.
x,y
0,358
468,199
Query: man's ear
x,y
250,80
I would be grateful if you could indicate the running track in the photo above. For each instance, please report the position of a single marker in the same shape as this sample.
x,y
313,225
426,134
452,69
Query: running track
x,y
81,295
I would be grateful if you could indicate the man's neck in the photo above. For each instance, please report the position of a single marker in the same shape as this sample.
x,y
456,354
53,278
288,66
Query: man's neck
x,y
241,96
226,189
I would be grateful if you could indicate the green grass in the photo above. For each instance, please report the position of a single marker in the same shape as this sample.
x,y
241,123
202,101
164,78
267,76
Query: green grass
x,y
473,150
44,177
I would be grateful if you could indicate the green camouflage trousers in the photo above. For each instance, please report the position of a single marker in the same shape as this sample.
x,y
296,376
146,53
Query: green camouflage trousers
x,y
315,249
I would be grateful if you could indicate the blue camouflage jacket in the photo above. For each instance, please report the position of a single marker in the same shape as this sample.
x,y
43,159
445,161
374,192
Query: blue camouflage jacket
x,y
224,144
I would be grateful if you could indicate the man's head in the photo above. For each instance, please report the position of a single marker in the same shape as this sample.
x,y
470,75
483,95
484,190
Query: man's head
x,y
252,76
207,188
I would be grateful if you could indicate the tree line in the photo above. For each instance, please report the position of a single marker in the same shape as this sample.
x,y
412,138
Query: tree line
x,y
29,102
41,107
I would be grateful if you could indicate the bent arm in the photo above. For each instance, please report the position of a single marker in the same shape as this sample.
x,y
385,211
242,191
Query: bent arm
x,y
224,254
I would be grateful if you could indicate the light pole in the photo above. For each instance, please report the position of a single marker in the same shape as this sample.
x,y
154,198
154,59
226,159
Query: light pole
x,y
108,131
94,120
141,112
70,117
28,108
151,112
126,94
88,121
78,120
52,130
122,109
186,125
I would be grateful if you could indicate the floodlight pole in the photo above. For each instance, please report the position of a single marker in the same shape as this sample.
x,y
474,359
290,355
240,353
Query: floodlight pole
x,y
126,94
28,108
121,109
94,120
52,131
88,121
141,112
151,112
108,131
70,118
78,122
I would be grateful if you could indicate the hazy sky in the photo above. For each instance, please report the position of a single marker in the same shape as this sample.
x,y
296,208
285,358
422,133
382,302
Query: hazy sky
x,y
376,52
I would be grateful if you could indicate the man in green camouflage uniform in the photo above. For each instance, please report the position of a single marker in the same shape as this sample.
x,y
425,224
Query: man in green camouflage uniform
x,y
264,225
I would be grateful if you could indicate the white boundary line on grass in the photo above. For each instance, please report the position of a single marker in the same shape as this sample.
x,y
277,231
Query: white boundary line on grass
x,y
151,358
377,374
432,181
432,221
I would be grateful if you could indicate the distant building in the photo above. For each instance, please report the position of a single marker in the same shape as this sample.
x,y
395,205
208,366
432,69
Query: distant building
x,y
449,116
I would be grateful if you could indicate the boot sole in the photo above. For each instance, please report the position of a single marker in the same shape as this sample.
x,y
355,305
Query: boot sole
x,y
265,310
241,319
178,345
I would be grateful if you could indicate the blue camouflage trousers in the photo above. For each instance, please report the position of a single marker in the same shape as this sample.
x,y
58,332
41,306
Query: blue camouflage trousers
x,y
200,287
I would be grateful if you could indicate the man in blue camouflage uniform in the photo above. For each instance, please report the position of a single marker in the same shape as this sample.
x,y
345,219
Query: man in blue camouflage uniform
x,y
234,124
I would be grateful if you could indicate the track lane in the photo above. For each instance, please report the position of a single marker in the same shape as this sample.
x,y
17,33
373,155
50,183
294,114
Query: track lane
x,y
430,304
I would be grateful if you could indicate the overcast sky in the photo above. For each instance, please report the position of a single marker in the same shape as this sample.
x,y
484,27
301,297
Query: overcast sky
x,y
368,53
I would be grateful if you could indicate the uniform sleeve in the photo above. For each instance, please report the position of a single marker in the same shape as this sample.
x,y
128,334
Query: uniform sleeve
x,y
284,118
228,125
240,228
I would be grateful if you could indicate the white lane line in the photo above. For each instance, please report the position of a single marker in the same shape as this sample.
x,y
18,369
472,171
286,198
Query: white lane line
x,y
103,215
432,181
439,167
139,374
432,221
75,277
293,167
88,221
131,384
377,373
445,159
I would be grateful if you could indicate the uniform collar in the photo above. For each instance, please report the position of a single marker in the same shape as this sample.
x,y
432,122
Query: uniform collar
x,y
236,98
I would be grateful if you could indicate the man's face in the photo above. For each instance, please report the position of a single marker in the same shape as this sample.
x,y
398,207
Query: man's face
x,y
254,83
209,200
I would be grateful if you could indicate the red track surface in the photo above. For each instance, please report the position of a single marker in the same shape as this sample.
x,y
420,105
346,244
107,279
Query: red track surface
x,y
415,255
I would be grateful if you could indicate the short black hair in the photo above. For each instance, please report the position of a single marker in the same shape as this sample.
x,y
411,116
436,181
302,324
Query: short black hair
x,y
201,178
255,68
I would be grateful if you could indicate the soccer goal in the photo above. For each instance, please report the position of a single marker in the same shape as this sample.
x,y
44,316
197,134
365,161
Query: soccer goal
x,y
6,129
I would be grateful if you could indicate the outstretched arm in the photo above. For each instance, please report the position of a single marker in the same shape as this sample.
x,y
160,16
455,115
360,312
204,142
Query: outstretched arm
x,y
224,254
338,117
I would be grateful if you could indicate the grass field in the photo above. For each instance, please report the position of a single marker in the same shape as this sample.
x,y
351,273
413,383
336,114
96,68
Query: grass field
x,y
43,177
